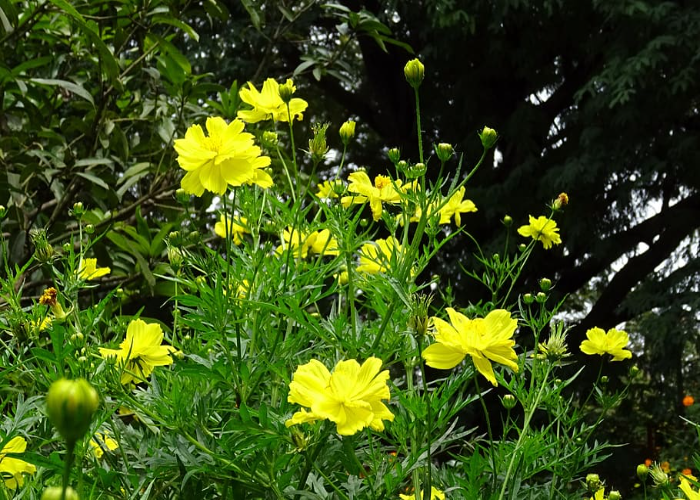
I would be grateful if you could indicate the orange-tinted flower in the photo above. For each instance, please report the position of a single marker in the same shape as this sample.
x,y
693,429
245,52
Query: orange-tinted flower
x,y
688,400
665,466
648,462
687,472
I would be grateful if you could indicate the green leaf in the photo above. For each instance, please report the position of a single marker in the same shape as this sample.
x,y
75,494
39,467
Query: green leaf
x,y
178,24
172,51
94,179
68,9
69,86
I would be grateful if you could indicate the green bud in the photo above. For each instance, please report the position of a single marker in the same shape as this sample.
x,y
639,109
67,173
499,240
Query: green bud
x,y
175,257
286,90
402,165
318,146
175,238
394,155
507,220
658,476
545,284
604,379
270,139
642,472
78,210
66,247
347,131
508,401
528,298
193,237
43,250
56,493
70,405
614,495
522,247
79,336
496,258
364,222
593,482
3,212
414,71
89,229
488,137
182,197
634,371
444,151
82,359
541,297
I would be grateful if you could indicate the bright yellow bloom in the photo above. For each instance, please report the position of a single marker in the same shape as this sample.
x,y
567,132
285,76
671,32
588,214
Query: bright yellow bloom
x,y
599,495
435,494
456,206
11,469
237,227
329,189
226,157
268,105
382,191
89,271
688,490
141,351
100,441
613,342
42,325
378,256
542,229
351,396
484,339
302,244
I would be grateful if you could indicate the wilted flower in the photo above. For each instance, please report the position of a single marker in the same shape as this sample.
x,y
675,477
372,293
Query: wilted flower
x,y
11,469
613,342
542,229
484,339
269,105
226,157
141,351
351,396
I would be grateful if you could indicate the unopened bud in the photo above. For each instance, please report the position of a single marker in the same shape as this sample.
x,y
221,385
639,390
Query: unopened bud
x,y
496,258
66,247
545,284
614,495
56,493
318,146
89,229
593,482
194,237
70,405
286,90
175,238
394,155
634,371
175,257
270,139
414,71
642,472
3,212
488,137
522,247
507,220
182,197
508,401
561,201
541,297
347,131
528,298
78,210
604,379
444,151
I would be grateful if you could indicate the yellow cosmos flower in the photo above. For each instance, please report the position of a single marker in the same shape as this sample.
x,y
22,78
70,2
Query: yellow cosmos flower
x,y
378,256
484,339
141,351
89,271
268,105
456,206
542,229
351,396
100,441
688,490
435,494
226,157
42,325
613,342
599,495
329,189
11,469
302,244
237,227
382,191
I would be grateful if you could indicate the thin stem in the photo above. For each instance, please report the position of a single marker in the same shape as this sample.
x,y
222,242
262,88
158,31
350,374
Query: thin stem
x,y
294,149
418,127
488,428
70,448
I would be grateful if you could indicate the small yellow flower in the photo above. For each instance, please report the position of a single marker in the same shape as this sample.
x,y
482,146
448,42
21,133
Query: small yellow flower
x,y
268,105
100,441
435,494
613,342
599,495
484,339
238,226
11,469
542,229
42,325
89,271
378,256
329,189
382,191
456,206
690,493
141,351
351,396
302,244
227,157
347,131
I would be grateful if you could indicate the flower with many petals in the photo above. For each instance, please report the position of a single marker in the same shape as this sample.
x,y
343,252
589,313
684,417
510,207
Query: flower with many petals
x,y
542,229
351,396
456,206
226,157
613,342
11,469
102,441
383,190
268,104
378,256
435,494
484,339
89,271
141,351
330,189
302,244
237,227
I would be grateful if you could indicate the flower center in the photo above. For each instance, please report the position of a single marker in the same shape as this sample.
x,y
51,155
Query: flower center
x,y
382,181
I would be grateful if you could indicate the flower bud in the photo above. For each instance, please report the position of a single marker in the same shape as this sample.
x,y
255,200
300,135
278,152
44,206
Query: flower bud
x,y
175,257
78,210
270,139
175,238
658,476
496,258
286,90
508,401
347,131
545,284
604,379
193,237
507,220
634,371
614,495
318,146
522,247
66,247
528,298
642,472
414,71
3,212
56,493
89,229
43,250
593,482
70,405
541,297
182,197
488,137
394,155
444,151
561,201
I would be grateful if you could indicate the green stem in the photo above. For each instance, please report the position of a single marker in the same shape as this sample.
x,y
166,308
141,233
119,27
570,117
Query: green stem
x,y
418,127
488,429
70,448
294,149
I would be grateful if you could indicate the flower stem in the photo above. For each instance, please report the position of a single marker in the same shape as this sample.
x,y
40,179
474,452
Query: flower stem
x,y
418,127
70,448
